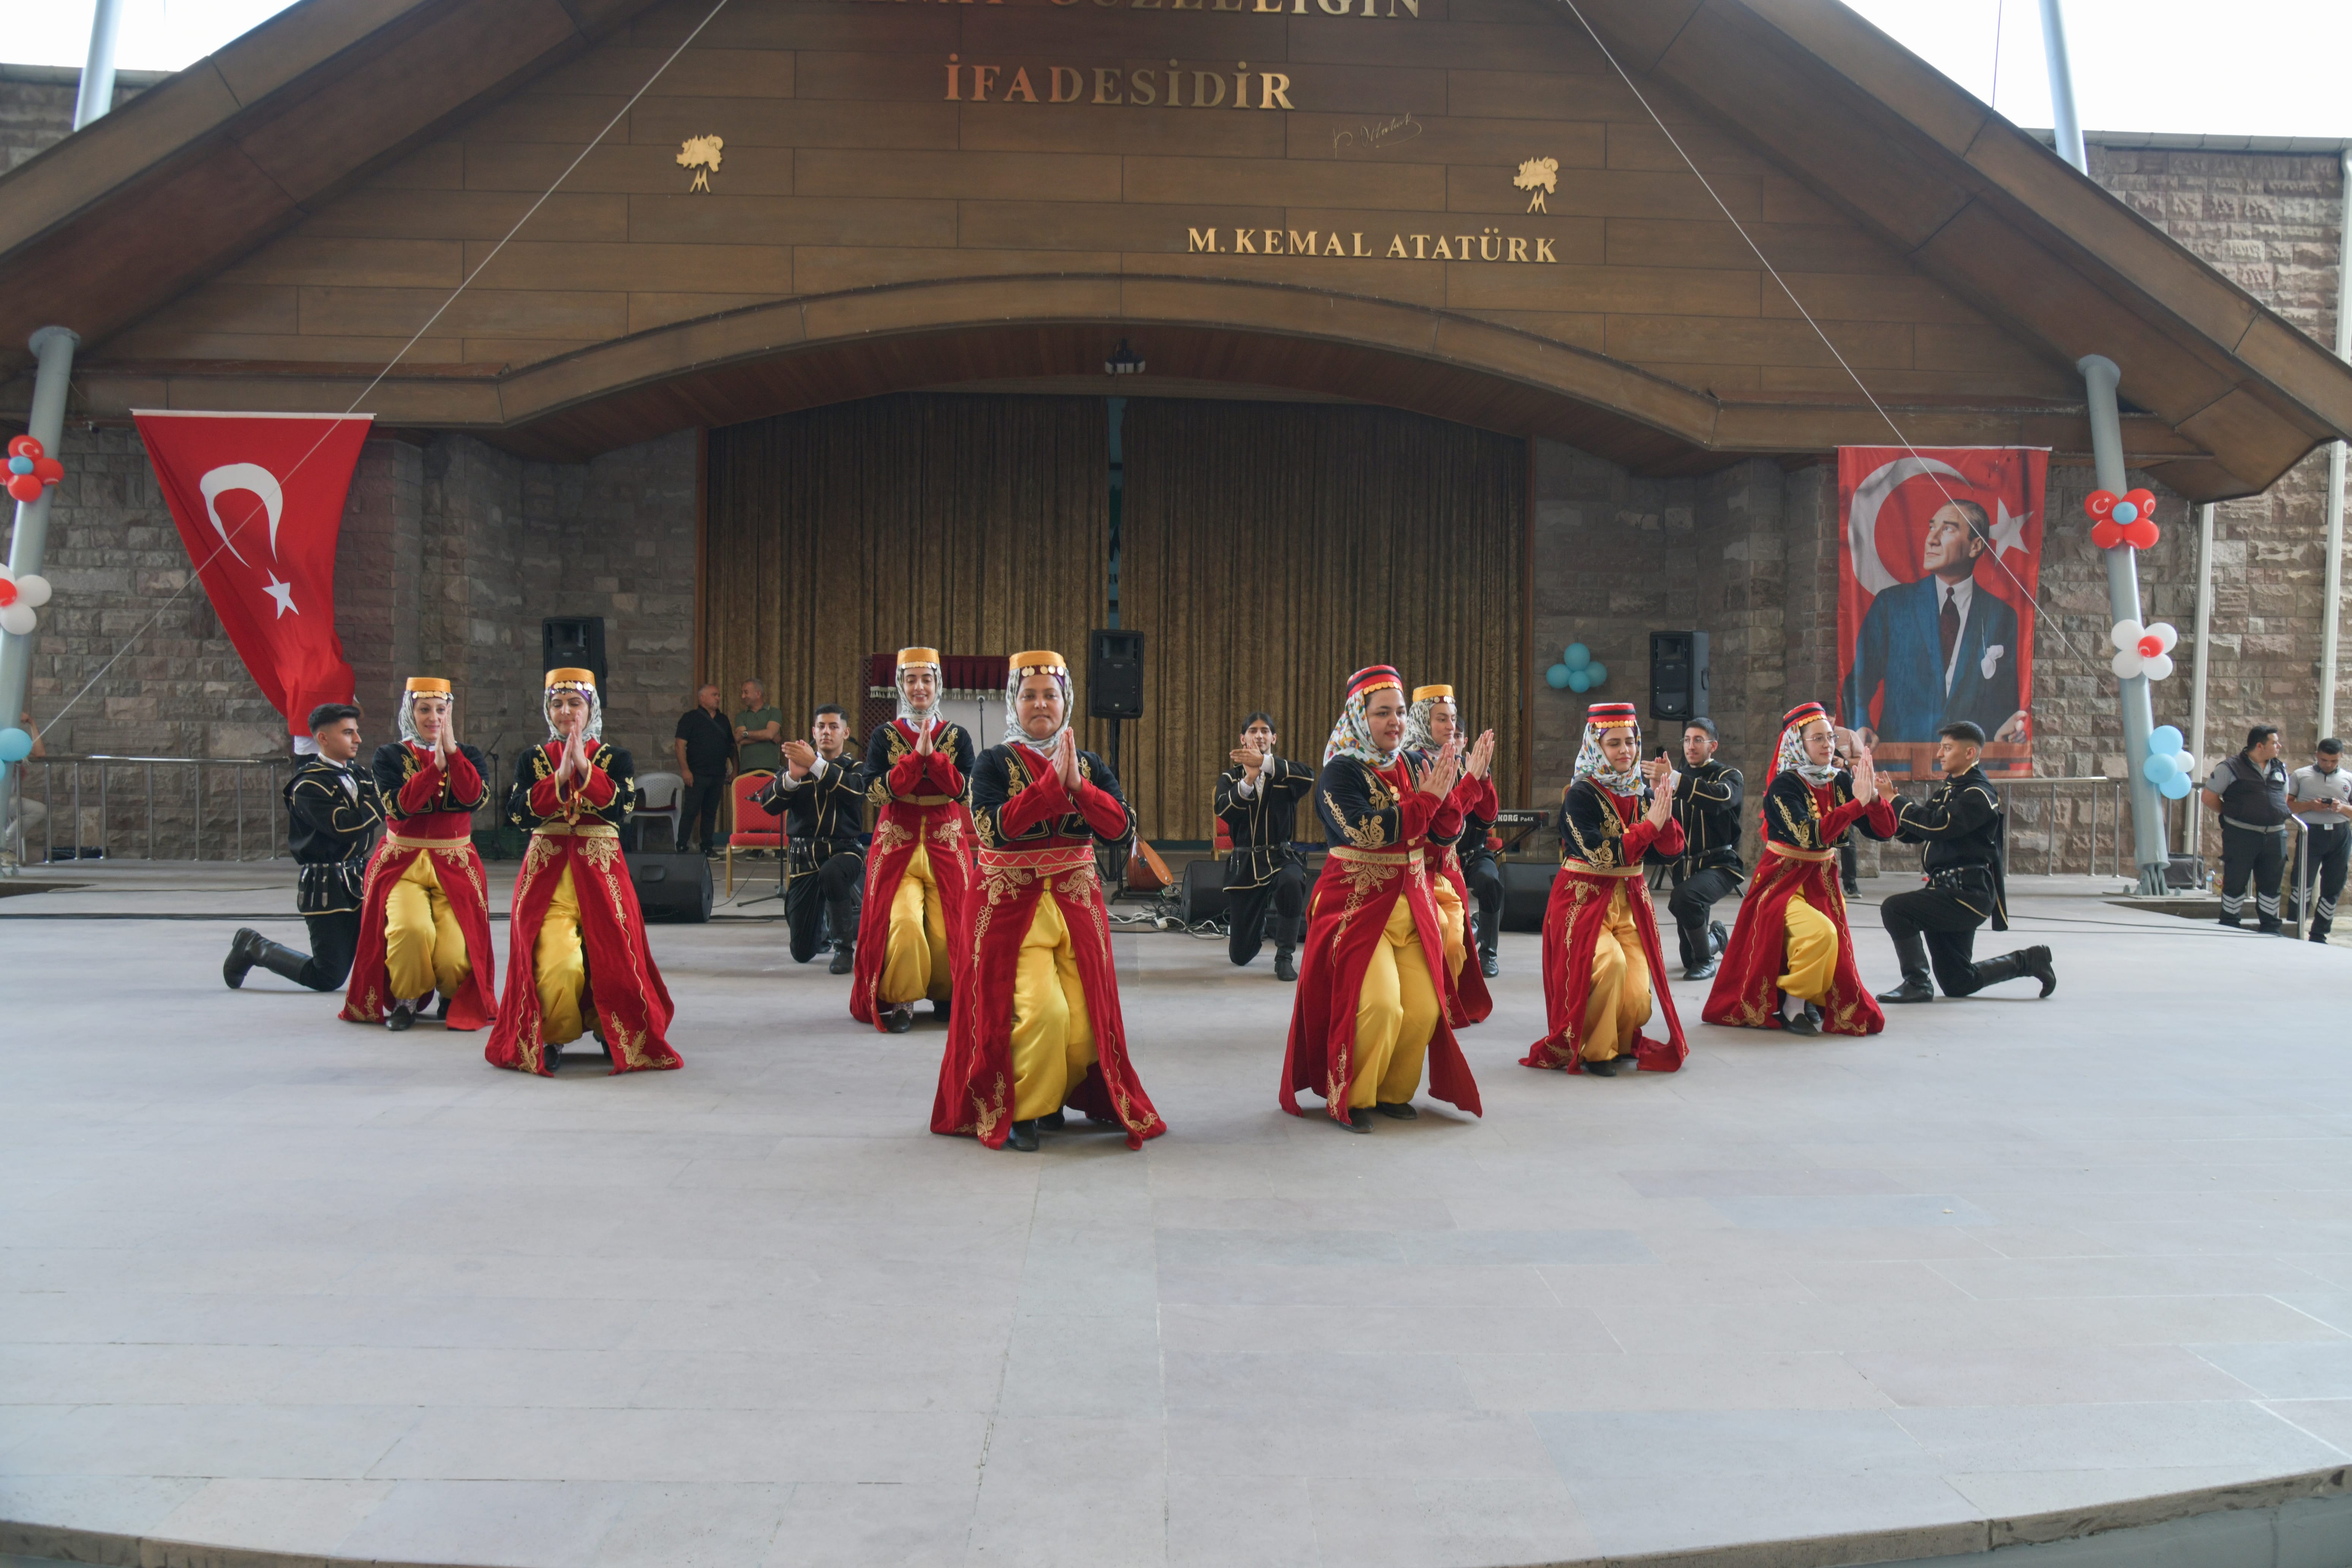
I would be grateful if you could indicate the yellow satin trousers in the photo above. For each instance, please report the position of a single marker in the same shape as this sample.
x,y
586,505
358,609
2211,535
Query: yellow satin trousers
x,y
559,965
1453,921
915,953
1053,1037
424,951
1620,1001
1813,952
1396,1014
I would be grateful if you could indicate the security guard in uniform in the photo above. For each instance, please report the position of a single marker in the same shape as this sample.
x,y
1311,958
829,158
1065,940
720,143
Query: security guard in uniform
x,y
2249,793
1960,823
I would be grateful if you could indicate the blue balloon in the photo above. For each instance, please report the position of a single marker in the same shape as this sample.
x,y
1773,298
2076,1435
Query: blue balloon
x,y
2176,787
15,745
2159,768
2167,740
20,464
2127,512
1557,677
1578,680
1598,671
1577,657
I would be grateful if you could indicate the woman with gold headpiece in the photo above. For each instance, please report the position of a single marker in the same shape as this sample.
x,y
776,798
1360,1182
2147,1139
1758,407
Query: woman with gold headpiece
x,y
1041,1027
919,869
576,955
1790,964
1433,725
1372,988
425,917
1600,952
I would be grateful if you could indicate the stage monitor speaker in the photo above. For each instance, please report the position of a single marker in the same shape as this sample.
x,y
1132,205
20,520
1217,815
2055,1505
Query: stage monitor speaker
x,y
672,887
1527,891
1204,891
575,642
1115,675
1678,675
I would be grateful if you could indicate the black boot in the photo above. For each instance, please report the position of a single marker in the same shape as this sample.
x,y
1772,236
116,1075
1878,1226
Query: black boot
x,y
1052,1121
844,958
1601,1067
1286,946
1490,941
441,1009
244,953
1024,1137
1911,948
842,915
1359,1121
279,960
1397,1111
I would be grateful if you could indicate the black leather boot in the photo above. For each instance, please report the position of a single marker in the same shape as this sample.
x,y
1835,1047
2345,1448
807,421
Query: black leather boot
x,y
844,958
1024,1137
282,960
244,953
1286,944
1911,948
842,915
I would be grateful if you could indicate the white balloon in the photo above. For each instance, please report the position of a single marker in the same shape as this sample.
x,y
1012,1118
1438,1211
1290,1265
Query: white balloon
x,y
2187,763
2167,636
2124,635
33,591
2159,668
2126,664
18,619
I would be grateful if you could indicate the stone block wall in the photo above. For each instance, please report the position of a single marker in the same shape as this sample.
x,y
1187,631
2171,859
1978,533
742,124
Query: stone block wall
x,y
36,105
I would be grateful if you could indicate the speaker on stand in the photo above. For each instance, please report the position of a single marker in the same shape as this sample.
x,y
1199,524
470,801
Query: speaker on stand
x,y
1678,678
1115,691
575,642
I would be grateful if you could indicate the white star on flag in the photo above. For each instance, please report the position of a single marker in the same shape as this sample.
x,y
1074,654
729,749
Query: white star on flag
x,y
283,593
2008,532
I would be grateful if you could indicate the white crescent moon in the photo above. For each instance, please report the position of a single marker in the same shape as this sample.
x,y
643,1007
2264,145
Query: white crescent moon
x,y
242,477
1862,522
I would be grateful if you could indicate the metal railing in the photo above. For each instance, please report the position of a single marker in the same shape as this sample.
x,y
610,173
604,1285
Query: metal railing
x,y
173,808
2073,827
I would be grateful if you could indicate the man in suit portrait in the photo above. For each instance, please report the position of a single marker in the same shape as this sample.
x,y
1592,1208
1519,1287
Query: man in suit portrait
x,y
1941,650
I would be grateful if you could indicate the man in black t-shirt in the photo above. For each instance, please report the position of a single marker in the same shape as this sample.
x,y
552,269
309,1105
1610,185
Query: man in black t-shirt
x,y
705,745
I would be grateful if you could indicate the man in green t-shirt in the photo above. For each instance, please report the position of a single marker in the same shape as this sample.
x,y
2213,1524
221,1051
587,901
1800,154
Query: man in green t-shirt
x,y
758,732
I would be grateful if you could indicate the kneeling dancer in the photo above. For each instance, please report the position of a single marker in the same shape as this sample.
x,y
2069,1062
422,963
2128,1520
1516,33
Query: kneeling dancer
x,y
821,795
424,923
331,810
1960,823
576,953
1040,1026
1789,964
1600,952
1266,882
1372,992
918,867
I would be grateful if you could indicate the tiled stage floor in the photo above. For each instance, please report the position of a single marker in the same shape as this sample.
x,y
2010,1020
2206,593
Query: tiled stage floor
x,y
271,1281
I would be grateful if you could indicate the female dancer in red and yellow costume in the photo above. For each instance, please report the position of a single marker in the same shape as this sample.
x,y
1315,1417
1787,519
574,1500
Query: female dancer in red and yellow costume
x,y
1600,952
1432,726
919,869
1040,1028
576,953
1790,964
425,917
1371,989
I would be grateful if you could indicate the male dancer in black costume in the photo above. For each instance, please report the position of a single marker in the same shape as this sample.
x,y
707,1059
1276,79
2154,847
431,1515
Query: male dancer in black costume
x,y
820,793
1707,803
333,811
1960,823
1257,798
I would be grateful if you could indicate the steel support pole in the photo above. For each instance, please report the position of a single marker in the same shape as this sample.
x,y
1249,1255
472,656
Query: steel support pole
x,y
2330,611
2190,822
2066,126
55,348
2100,377
97,94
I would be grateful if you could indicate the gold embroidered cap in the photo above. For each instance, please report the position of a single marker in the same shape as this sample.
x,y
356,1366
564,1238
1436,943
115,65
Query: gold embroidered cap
x,y
1038,661
1432,693
918,659
429,683
570,676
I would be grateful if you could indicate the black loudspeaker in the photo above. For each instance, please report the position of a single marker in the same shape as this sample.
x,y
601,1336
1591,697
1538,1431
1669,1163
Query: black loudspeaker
x,y
1204,891
575,642
1115,675
672,887
1527,891
1678,675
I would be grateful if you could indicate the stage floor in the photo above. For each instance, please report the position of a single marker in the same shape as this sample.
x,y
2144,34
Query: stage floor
x,y
275,1281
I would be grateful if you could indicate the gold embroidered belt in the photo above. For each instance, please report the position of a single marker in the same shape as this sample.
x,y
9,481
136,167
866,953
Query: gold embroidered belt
x,y
579,829
925,799
1050,862
1587,869
1377,857
1815,856
396,841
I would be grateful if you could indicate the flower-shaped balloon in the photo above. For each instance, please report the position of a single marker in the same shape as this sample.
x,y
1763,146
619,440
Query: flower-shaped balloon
x,y
19,597
2128,518
2143,650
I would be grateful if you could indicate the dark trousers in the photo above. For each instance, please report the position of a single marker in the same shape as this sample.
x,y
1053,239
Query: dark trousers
x,y
1850,863
1484,879
838,886
1951,928
1282,895
335,943
2247,852
2321,858
698,802
1691,903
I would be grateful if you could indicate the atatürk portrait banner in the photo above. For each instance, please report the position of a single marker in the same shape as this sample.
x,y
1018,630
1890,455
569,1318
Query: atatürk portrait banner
x,y
1939,553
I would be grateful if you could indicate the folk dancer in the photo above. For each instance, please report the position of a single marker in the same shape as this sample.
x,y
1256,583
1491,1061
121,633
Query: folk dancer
x,y
1041,1028
1789,964
1370,1006
1431,726
1600,952
576,953
1708,869
1265,879
424,926
820,793
1960,823
333,811
918,867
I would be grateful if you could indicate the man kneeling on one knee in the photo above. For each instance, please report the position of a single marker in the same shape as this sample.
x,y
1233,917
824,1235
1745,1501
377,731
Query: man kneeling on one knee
x,y
1960,823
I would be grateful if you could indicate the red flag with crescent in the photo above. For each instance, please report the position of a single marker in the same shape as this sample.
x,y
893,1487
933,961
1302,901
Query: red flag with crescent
x,y
1939,556
259,500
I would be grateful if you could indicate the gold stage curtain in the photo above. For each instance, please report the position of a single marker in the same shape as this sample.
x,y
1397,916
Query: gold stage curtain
x,y
1268,550
971,524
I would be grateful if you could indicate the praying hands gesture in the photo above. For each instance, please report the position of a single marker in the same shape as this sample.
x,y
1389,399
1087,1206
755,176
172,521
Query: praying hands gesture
x,y
445,744
1482,756
574,763
799,758
1661,778
1866,782
923,747
1437,780
1065,763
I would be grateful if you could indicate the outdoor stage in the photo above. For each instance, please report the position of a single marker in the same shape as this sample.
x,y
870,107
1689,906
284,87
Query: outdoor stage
x,y
278,1283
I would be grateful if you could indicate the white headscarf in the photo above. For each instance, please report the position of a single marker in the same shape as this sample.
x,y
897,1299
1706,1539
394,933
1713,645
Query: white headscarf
x,y
1418,737
1019,669
1351,734
1592,763
914,716
1791,753
595,730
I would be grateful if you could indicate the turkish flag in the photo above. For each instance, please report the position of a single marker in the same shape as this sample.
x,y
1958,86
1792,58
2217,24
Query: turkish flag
x,y
258,498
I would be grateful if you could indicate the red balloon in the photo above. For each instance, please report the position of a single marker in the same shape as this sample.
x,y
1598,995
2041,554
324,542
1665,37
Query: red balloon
x,y
2106,535
2100,504
2144,499
48,470
24,487
2151,646
26,447
2140,534
7,592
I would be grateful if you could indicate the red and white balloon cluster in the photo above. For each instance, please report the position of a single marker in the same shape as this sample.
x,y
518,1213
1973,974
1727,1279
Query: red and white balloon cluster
x,y
19,597
2143,650
2126,519
31,469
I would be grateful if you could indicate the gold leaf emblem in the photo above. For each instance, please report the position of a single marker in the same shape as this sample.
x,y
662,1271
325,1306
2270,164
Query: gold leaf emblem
x,y
1537,174
701,154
